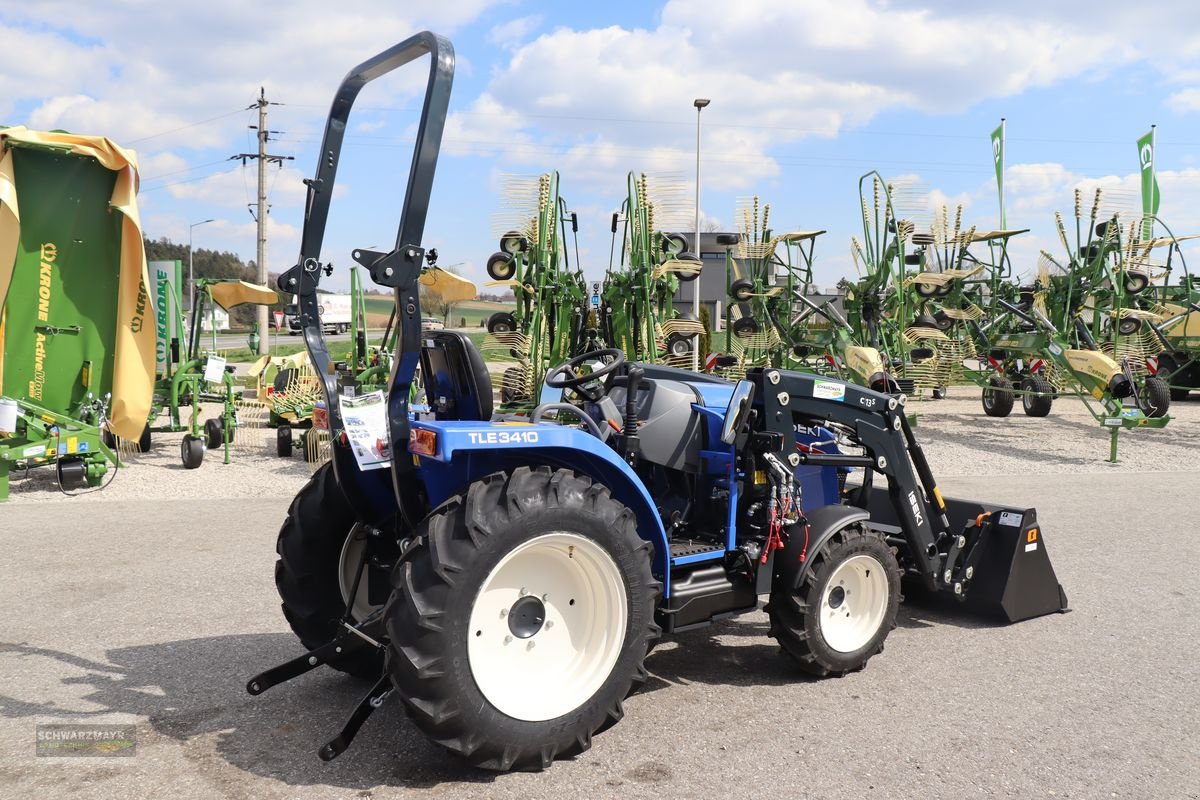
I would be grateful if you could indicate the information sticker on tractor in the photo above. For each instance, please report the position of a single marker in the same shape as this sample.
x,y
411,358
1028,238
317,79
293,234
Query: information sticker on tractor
x,y
827,390
36,451
365,420
1011,520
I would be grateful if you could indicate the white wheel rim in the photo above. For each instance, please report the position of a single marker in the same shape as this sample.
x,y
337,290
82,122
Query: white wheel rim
x,y
352,550
854,603
533,670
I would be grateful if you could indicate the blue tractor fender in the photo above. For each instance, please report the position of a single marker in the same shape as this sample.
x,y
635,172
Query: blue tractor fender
x,y
467,451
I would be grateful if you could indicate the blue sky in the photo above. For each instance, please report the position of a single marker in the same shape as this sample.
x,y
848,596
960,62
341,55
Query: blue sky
x,y
806,97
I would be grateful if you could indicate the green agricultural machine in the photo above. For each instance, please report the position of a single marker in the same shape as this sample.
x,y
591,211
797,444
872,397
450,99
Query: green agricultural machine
x,y
636,311
549,321
1168,308
76,321
771,319
290,391
887,305
202,377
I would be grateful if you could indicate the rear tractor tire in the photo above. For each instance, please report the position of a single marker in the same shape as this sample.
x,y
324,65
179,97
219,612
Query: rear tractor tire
x,y
523,621
998,398
319,547
1037,405
832,617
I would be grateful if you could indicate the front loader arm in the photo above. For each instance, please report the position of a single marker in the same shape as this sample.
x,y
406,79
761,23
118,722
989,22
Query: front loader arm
x,y
879,425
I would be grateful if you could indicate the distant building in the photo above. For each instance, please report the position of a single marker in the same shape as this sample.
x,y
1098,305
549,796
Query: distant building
x,y
714,282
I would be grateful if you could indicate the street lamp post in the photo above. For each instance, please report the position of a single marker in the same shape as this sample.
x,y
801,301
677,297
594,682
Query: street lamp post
x,y
191,279
699,103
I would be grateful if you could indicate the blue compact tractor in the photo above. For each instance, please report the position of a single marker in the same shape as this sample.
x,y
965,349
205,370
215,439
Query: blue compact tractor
x,y
505,579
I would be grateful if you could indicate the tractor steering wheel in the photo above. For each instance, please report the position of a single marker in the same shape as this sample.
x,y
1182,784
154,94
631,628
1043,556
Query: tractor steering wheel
x,y
564,376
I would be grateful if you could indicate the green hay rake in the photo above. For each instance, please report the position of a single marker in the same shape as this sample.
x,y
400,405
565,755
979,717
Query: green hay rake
x,y
637,313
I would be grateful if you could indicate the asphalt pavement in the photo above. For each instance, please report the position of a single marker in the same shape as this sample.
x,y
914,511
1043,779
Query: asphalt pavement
x,y
155,612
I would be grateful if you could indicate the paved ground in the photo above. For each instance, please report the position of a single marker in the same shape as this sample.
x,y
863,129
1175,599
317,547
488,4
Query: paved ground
x,y
155,612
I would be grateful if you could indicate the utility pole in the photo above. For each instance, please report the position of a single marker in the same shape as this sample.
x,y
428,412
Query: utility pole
x,y
264,135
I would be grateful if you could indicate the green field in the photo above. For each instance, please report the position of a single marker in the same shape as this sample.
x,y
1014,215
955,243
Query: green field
x,y
475,312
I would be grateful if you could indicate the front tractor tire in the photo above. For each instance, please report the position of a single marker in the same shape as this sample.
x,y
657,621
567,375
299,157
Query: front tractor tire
x,y
319,548
521,624
832,617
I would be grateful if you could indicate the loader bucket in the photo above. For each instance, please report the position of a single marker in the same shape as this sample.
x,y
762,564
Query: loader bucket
x,y
1013,578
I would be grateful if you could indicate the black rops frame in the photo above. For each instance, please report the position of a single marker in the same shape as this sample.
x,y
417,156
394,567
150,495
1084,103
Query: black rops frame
x,y
399,269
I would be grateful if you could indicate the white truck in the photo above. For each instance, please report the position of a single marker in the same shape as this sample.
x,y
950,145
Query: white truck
x,y
336,311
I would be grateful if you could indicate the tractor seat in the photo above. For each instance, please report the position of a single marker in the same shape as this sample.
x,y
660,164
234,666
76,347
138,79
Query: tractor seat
x,y
457,383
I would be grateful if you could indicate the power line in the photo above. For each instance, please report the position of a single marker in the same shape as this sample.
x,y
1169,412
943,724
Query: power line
x,y
184,127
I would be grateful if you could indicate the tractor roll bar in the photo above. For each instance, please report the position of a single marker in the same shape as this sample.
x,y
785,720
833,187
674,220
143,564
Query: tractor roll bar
x,y
398,269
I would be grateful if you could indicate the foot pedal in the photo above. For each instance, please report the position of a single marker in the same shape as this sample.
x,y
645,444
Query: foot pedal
x,y
373,700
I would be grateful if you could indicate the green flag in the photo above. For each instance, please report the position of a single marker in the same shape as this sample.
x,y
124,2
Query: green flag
x,y
1150,195
998,157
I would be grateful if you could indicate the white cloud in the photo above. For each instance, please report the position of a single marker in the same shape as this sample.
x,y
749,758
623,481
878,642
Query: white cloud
x,y
613,99
512,33
169,65
1184,101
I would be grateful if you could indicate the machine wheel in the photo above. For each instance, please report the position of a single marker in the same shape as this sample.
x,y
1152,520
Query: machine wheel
x,y
319,547
1155,397
741,289
1136,282
835,616
501,267
942,321
1168,364
679,345
214,433
514,242
926,290
744,327
501,322
998,398
282,379
690,275
144,440
191,451
1127,326
283,441
1035,405
674,244
523,622
71,472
